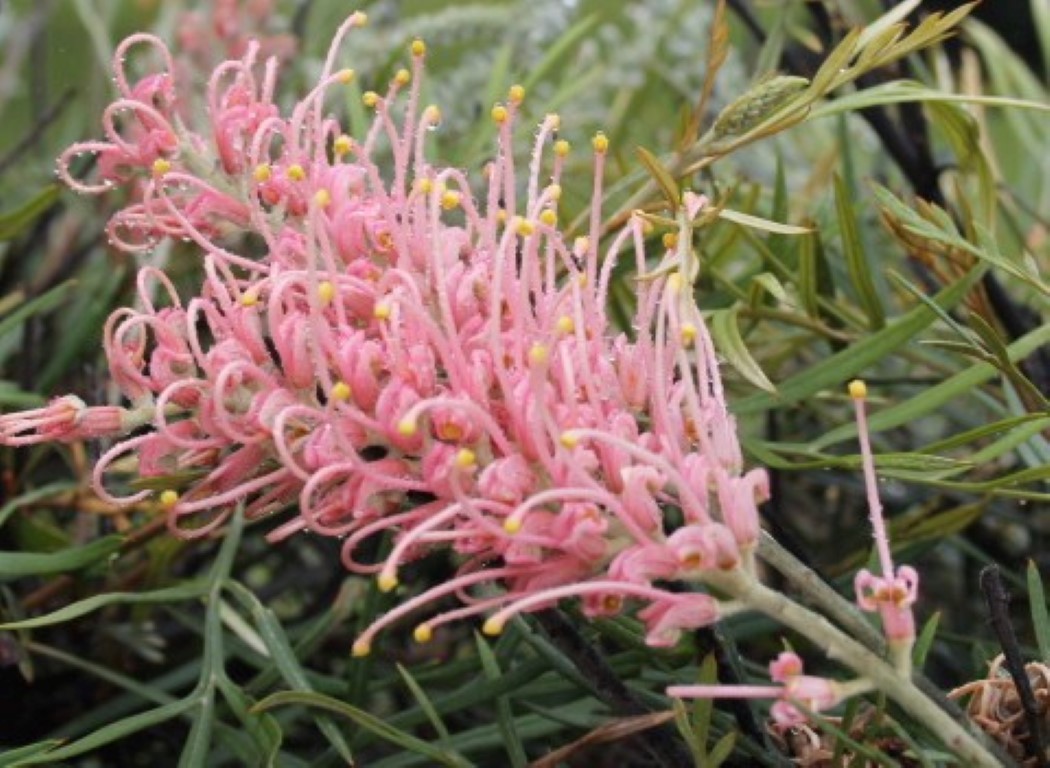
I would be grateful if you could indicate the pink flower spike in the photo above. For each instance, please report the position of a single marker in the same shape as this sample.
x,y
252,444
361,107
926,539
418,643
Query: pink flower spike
x,y
64,419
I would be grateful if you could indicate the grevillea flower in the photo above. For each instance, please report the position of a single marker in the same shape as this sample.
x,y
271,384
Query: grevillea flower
x,y
405,350
814,693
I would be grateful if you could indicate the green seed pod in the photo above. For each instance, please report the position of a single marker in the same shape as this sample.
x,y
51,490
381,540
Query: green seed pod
x,y
755,105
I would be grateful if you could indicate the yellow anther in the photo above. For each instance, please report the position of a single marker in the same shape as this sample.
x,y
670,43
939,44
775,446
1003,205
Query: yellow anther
x,y
423,633
466,458
325,291
549,217
249,298
580,245
562,147
600,142
403,77
386,582
360,648
647,227
499,114
424,186
161,166
432,114
569,440
670,240
492,627
688,333
322,198
858,390
370,99
566,324
359,18
382,310
512,525
262,172
674,282
342,145
450,199
539,354
501,216
554,192
407,427
345,76
523,227
552,121
295,172
516,94
418,47
169,498
340,392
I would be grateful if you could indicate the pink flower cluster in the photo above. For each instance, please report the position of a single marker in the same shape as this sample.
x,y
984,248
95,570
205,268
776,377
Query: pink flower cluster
x,y
372,353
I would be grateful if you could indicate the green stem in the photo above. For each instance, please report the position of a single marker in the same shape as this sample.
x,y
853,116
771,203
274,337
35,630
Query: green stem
x,y
844,649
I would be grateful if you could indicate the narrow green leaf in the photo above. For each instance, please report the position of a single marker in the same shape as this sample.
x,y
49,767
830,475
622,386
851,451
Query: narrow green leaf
x,y
857,264
262,728
757,222
33,496
15,757
198,743
661,176
722,750
15,565
504,715
925,640
840,367
39,305
283,655
425,704
17,221
113,732
190,590
1037,605
726,333
933,398
366,720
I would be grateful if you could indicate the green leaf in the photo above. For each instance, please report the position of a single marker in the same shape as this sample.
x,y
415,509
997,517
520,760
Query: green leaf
x,y
925,640
1037,605
17,221
661,176
365,720
15,757
726,333
504,715
190,590
425,704
757,222
113,732
840,367
933,398
857,263
14,565
39,305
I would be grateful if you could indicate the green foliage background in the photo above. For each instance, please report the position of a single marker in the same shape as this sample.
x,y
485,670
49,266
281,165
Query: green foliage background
x,y
232,652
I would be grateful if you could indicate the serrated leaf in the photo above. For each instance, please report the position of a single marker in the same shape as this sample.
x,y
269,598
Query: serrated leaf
x,y
729,342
